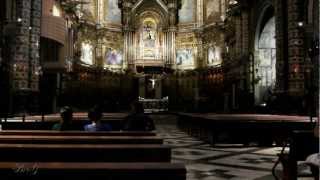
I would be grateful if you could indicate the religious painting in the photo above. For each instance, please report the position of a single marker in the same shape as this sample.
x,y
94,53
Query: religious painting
x,y
184,57
213,10
149,39
214,56
186,13
113,57
87,53
113,14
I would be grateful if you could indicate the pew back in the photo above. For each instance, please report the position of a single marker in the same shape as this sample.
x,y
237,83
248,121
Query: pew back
x,y
41,139
92,171
84,153
76,133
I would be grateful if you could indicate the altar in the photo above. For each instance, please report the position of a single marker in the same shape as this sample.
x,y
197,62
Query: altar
x,y
155,105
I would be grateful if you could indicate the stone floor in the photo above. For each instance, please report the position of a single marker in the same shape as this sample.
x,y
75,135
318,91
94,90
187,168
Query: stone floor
x,y
205,162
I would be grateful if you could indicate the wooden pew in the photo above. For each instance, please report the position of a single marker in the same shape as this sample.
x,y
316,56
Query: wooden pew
x,y
302,144
76,133
84,153
92,171
41,139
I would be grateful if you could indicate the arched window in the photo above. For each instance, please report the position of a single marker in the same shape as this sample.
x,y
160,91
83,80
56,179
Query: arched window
x,y
265,57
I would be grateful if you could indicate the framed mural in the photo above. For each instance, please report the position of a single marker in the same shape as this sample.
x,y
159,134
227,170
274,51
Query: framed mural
x,y
149,37
87,53
214,56
113,13
185,57
113,57
187,11
212,10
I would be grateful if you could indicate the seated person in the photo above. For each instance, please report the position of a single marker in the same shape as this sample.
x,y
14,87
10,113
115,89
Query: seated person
x,y
95,116
138,120
314,159
66,114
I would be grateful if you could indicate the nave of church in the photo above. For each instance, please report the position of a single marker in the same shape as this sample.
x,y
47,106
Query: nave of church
x,y
159,89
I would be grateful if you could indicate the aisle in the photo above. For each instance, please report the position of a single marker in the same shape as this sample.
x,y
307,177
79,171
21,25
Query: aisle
x,y
224,162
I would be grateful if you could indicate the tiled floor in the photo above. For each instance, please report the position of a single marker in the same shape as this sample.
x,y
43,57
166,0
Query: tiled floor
x,y
205,162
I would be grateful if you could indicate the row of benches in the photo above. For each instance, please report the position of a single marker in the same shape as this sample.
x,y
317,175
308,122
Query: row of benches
x,y
242,128
40,154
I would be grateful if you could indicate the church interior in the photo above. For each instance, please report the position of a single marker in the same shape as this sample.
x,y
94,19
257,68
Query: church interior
x,y
232,87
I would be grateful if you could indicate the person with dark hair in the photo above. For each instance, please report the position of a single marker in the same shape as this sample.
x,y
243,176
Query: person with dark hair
x,y
95,116
66,114
138,120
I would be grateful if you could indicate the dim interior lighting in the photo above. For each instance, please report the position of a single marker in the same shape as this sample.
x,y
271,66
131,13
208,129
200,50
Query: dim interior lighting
x,y
264,104
233,2
56,11
300,24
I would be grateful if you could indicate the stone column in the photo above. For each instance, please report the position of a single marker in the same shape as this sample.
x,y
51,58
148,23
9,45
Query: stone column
x,y
281,44
172,6
172,46
245,32
200,13
20,60
238,26
296,51
128,35
35,22
200,59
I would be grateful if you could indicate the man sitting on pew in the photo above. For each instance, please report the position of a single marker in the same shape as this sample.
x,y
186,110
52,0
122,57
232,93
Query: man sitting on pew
x,y
138,120
95,116
65,124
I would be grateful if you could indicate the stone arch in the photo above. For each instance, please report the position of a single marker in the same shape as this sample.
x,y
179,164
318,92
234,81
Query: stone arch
x,y
265,54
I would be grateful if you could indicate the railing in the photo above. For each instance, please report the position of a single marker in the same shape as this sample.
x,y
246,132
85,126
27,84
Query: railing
x,y
155,105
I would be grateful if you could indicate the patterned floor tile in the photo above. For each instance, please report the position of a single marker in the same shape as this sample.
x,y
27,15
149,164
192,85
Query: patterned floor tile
x,y
194,154
221,162
248,161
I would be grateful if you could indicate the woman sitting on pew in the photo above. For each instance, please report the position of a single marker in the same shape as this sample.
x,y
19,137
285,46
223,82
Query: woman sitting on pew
x,y
95,116
66,120
138,120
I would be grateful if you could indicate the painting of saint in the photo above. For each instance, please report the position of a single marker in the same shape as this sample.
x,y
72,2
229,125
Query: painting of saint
x,y
214,56
213,10
184,57
211,56
186,13
113,57
113,11
86,53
